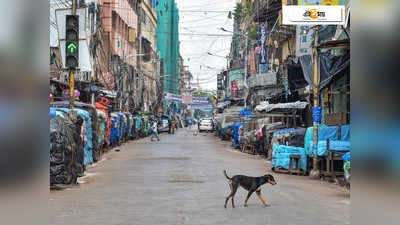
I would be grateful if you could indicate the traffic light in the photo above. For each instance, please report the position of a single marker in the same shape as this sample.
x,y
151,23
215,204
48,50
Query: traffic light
x,y
72,41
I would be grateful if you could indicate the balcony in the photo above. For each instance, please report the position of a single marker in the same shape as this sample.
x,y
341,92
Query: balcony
x,y
266,10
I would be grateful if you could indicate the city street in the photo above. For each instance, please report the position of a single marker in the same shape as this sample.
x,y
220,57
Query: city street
x,y
180,180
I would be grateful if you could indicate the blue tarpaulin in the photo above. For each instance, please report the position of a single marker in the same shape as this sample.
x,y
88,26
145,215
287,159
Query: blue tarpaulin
x,y
346,157
225,129
333,145
287,131
244,112
236,133
114,131
324,133
88,148
281,156
122,125
138,123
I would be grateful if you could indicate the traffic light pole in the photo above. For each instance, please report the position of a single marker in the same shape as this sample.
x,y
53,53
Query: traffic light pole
x,y
74,6
71,71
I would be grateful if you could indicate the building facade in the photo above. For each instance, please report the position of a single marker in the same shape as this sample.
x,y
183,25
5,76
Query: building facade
x,y
168,44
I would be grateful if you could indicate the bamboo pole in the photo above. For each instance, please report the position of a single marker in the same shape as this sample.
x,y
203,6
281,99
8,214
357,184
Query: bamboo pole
x,y
315,173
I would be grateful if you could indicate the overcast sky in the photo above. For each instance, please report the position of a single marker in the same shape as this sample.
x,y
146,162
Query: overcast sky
x,y
194,47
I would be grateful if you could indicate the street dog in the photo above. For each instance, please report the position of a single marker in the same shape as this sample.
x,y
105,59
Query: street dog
x,y
251,184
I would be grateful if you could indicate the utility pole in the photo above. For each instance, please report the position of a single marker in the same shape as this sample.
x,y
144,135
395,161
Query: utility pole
x,y
315,174
72,72
245,69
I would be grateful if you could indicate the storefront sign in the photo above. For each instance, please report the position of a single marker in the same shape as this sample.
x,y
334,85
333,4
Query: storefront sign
x,y
187,99
263,34
304,40
219,81
200,107
200,100
172,97
235,82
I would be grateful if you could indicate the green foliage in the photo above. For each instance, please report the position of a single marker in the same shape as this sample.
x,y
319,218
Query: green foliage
x,y
238,12
253,31
241,12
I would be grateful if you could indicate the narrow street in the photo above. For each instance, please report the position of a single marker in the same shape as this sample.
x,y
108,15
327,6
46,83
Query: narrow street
x,y
179,180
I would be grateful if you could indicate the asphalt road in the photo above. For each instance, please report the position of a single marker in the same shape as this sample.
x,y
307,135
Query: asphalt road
x,y
179,180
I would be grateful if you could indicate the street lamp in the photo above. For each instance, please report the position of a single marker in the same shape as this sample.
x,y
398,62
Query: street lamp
x,y
217,55
223,29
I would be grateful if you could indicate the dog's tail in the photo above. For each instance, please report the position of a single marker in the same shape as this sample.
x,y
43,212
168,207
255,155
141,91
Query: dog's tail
x,y
226,175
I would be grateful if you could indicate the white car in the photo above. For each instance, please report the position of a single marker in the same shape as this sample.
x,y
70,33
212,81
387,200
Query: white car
x,y
206,124
163,126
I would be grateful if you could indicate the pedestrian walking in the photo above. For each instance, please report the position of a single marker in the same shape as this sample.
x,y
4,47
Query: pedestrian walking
x,y
195,128
155,131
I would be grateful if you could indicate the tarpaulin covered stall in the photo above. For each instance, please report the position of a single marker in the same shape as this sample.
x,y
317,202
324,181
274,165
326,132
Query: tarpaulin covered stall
x,y
93,115
102,122
88,148
107,131
324,133
114,129
281,156
66,149
236,133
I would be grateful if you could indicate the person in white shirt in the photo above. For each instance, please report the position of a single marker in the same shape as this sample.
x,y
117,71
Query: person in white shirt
x,y
155,131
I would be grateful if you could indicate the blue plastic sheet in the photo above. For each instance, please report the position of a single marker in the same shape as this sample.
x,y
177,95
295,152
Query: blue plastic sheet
x,y
122,126
287,131
88,148
346,157
225,129
114,131
236,133
101,119
334,145
149,130
130,124
281,156
244,112
138,123
324,133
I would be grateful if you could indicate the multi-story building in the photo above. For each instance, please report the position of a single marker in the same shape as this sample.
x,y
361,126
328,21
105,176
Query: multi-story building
x,y
168,44
119,19
148,60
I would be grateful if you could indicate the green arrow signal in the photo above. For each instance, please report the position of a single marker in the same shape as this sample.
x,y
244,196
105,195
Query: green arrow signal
x,y
71,47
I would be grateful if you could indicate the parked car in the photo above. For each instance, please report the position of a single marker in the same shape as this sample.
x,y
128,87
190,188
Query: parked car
x,y
163,125
206,124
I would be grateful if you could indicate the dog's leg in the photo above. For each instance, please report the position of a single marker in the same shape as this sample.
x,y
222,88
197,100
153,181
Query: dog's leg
x,y
261,198
227,198
247,198
232,194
